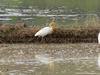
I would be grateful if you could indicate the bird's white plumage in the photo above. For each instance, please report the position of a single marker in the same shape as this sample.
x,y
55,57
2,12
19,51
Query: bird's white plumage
x,y
44,31
99,38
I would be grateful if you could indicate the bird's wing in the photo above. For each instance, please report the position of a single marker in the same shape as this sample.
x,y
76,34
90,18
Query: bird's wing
x,y
44,31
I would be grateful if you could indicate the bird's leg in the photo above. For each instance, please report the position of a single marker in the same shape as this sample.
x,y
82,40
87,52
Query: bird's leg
x,y
42,40
38,39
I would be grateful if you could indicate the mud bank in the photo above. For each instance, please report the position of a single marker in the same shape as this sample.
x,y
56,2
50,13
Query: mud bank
x,y
22,34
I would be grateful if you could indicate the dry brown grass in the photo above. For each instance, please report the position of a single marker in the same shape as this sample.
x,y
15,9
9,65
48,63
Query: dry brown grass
x,y
23,34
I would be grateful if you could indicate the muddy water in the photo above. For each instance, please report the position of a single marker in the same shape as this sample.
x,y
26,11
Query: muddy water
x,y
49,59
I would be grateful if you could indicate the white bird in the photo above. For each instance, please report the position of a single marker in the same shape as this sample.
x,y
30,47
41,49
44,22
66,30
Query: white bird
x,y
44,31
47,30
99,38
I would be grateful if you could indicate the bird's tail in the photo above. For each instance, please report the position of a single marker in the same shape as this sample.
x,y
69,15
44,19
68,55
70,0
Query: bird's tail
x,y
35,35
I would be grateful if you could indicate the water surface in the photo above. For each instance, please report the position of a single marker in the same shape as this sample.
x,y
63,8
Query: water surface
x,y
49,59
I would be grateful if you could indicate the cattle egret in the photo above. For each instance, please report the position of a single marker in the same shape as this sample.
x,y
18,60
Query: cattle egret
x,y
99,38
46,30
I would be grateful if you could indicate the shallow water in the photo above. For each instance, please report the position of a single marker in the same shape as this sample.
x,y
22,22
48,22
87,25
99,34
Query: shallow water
x,y
49,59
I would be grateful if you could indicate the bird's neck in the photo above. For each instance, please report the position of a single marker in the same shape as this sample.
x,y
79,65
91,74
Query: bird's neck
x,y
52,25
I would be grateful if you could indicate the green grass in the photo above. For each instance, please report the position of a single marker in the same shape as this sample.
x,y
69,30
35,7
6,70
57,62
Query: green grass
x,y
85,5
88,21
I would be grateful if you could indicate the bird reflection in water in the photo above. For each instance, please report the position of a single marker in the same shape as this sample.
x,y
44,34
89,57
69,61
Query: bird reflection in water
x,y
47,60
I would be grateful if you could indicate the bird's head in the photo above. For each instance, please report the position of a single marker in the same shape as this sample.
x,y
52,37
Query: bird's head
x,y
53,24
